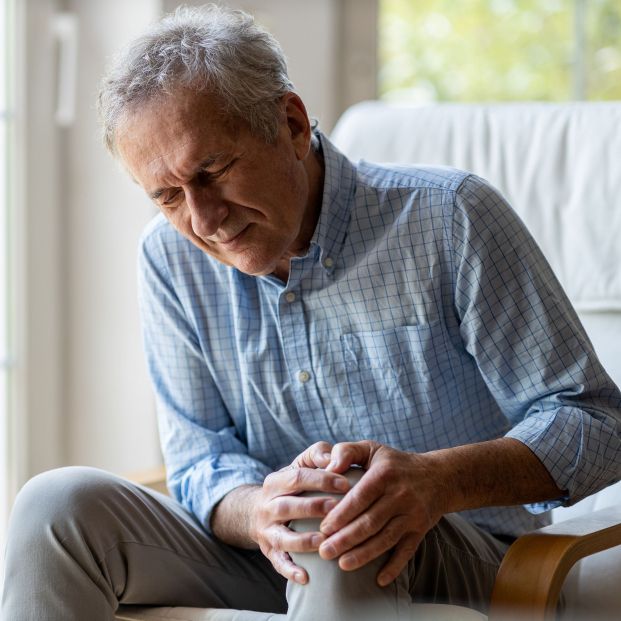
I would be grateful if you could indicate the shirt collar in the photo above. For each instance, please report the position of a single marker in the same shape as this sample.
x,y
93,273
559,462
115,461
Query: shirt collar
x,y
339,187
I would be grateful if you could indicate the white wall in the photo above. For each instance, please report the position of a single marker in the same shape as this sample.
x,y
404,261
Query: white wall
x,y
37,425
109,406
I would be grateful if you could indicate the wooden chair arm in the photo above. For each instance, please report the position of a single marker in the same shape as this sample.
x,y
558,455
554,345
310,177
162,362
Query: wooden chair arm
x,y
532,573
155,478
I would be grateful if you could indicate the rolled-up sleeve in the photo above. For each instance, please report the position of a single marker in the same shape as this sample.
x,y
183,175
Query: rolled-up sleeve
x,y
205,458
531,348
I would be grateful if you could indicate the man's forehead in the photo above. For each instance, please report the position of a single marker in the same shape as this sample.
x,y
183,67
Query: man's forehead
x,y
184,112
157,168
154,140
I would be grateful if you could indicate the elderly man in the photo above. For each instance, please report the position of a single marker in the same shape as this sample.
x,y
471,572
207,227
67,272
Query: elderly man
x,y
302,316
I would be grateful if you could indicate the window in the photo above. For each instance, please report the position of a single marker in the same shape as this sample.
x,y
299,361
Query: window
x,y
500,50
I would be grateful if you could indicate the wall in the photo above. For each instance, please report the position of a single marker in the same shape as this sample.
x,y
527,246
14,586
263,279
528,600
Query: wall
x,y
109,406
36,429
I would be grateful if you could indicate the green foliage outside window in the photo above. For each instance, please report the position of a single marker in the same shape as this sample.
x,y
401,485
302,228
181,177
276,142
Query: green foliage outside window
x,y
500,50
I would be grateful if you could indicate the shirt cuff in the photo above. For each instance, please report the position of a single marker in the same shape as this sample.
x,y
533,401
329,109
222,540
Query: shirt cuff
x,y
204,485
581,452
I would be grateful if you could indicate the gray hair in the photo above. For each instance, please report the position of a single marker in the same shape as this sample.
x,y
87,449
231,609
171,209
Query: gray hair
x,y
207,48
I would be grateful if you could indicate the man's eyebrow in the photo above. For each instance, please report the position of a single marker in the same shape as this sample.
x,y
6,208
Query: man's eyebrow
x,y
206,163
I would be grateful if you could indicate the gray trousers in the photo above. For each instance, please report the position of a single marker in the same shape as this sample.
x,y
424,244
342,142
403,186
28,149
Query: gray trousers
x,y
82,541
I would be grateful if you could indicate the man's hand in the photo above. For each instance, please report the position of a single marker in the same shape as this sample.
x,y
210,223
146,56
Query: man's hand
x,y
403,495
392,507
400,497
278,502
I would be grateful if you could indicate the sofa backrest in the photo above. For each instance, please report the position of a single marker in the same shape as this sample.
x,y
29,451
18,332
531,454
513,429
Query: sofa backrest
x,y
558,164
559,167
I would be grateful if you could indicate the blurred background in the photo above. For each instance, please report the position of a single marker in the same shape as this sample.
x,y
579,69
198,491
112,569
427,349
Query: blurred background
x,y
73,383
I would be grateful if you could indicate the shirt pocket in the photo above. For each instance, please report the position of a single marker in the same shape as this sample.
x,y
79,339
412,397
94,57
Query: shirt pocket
x,y
395,380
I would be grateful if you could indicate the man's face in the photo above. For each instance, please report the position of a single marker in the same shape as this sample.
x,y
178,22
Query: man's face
x,y
242,201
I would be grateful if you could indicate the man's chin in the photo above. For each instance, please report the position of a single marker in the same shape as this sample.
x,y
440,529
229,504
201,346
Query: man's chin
x,y
253,266
254,271
246,262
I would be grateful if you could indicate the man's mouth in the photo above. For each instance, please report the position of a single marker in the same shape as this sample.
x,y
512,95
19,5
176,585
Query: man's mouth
x,y
233,242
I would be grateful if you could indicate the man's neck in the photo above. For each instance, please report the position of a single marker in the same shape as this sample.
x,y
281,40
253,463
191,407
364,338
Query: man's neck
x,y
315,169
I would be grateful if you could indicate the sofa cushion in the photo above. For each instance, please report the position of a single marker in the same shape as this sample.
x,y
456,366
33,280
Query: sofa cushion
x,y
420,612
176,613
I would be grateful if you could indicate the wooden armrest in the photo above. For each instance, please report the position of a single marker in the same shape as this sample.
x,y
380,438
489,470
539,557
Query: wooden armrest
x,y
155,478
533,571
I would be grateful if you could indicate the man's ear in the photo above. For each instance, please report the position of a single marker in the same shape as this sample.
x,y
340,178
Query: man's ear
x,y
298,124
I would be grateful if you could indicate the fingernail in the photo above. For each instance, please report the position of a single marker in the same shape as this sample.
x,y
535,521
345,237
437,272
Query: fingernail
x,y
327,551
383,580
328,505
341,484
317,540
326,529
299,577
347,561
327,457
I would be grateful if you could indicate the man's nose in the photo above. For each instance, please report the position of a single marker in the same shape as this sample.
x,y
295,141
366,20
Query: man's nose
x,y
207,211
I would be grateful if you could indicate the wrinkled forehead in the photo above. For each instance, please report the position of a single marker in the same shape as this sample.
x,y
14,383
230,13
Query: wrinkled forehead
x,y
186,124
171,115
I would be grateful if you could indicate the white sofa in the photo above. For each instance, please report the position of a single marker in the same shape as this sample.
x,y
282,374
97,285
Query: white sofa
x,y
558,164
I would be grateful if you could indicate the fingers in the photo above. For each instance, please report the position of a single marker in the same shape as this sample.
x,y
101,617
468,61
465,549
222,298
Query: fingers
x,y
368,491
284,539
315,456
283,564
370,549
346,454
281,502
298,480
388,509
286,508
400,557
389,538
377,520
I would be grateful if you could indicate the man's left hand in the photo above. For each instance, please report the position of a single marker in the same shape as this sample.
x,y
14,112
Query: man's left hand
x,y
397,501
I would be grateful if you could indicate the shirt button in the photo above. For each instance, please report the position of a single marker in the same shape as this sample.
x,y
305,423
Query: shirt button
x,y
328,262
290,297
303,376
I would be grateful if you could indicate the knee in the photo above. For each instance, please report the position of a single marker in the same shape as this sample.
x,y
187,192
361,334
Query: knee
x,y
54,497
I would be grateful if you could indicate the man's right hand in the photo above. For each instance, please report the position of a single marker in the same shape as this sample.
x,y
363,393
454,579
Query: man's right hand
x,y
251,515
278,502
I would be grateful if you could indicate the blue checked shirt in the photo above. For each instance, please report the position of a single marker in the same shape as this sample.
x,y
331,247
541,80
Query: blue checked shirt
x,y
424,316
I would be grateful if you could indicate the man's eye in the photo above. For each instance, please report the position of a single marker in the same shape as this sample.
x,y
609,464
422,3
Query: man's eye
x,y
206,175
170,199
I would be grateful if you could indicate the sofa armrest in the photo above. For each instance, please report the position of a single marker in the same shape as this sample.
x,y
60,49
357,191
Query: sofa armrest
x,y
154,478
532,573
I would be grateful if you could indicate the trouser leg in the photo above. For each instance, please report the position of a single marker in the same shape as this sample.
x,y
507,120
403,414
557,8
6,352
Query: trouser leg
x,y
332,594
82,541
456,563
335,595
